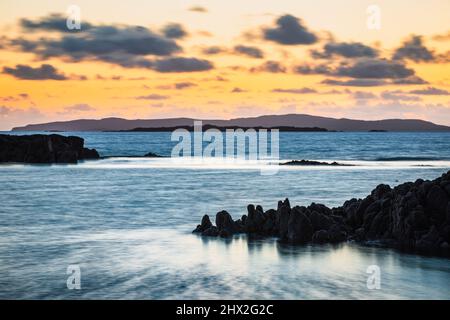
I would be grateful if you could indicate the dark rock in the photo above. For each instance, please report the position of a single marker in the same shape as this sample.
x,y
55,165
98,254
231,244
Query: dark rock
x,y
211,232
321,236
204,225
225,222
300,229
320,221
44,149
283,213
152,155
411,216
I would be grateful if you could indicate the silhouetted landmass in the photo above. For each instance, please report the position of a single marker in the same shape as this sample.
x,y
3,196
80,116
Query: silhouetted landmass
x,y
413,216
40,148
268,121
207,127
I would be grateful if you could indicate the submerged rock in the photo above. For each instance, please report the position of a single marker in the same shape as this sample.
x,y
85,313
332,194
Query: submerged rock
x,y
41,148
412,216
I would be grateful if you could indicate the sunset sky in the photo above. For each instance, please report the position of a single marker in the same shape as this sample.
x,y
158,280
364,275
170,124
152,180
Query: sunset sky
x,y
224,59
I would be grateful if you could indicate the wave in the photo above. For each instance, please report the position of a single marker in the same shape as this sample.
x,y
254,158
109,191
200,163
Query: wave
x,y
410,159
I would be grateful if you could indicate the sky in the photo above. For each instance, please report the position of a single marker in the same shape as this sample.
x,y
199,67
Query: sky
x,y
223,59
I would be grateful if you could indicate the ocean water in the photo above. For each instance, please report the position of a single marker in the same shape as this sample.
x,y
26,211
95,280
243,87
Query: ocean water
x,y
126,222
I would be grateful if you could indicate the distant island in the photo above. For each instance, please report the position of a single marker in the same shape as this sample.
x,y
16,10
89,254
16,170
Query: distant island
x,y
208,126
296,122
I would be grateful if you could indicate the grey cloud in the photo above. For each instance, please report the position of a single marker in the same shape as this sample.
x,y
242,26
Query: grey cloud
x,y
174,31
308,69
363,95
44,72
152,97
180,64
295,91
356,82
253,52
270,66
289,30
213,50
345,49
413,49
79,107
398,96
431,91
410,80
184,85
52,22
374,69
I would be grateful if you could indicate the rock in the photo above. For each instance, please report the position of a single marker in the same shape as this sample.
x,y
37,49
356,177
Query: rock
x,y
320,221
40,148
283,214
411,216
255,219
224,222
204,225
152,155
300,229
321,236
211,232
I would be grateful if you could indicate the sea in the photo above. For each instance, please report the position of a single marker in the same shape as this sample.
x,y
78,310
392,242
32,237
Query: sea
x,y
121,227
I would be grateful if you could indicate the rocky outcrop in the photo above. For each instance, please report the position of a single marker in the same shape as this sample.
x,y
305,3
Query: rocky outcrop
x,y
413,216
44,149
312,163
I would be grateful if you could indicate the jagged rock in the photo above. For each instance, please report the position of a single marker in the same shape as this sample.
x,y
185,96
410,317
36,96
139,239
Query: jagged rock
x,y
225,223
300,229
283,213
255,219
204,225
413,216
40,148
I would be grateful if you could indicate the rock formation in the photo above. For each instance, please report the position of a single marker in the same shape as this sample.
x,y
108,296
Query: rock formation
x,y
413,216
40,148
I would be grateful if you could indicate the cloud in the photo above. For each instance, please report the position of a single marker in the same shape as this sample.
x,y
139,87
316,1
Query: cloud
x,y
253,52
81,107
295,91
199,9
374,69
44,72
174,31
431,91
124,45
356,82
289,30
442,37
413,49
345,49
363,95
11,117
184,85
213,50
180,64
152,97
410,80
269,66
309,69
398,96
238,90
18,97
52,22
